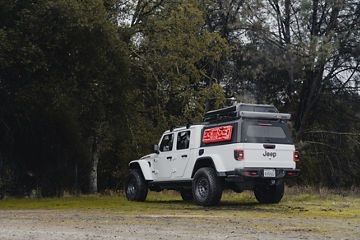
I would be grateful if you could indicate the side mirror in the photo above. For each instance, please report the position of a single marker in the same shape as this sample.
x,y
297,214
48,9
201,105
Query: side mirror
x,y
156,148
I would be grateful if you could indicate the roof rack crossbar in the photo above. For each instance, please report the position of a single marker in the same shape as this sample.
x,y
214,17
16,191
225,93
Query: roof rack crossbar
x,y
267,115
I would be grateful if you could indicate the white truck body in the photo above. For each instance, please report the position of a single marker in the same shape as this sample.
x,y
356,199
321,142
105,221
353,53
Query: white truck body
x,y
179,164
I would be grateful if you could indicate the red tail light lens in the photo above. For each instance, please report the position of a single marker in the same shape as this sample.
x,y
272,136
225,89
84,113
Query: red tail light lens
x,y
296,156
239,155
250,173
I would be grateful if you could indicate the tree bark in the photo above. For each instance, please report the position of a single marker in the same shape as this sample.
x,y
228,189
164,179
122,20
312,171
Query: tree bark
x,y
94,161
309,95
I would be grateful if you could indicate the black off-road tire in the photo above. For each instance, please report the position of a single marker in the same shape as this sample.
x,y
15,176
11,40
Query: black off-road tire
x,y
207,187
186,194
136,188
270,193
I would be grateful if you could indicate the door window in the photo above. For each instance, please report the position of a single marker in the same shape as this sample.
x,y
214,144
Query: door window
x,y
167,143
183,140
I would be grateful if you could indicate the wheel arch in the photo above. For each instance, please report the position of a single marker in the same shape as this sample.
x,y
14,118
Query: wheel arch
x,y
144,167
134,165
213,161
203,162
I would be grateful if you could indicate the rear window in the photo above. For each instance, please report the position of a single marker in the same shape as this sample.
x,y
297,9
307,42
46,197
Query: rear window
x,y
265,132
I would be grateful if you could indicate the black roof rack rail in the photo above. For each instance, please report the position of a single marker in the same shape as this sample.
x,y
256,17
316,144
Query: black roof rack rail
x,y
233,112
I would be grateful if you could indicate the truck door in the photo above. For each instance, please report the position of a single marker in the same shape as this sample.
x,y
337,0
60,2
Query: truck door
x,y
162,161
181,154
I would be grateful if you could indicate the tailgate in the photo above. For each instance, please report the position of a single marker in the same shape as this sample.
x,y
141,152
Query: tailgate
x,y
263,155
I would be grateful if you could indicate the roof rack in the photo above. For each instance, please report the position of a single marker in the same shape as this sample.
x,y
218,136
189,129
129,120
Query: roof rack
x,y
233,112
266,115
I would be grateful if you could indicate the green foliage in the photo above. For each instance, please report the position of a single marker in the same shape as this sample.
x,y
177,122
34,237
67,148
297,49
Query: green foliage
x,y
175,53
171,54
331,147
301,58
61,71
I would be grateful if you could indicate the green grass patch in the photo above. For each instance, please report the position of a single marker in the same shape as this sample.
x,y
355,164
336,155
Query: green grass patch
x,y
171,203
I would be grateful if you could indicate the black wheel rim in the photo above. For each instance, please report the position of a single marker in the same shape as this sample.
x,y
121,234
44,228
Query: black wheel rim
x,y
131,188
203,188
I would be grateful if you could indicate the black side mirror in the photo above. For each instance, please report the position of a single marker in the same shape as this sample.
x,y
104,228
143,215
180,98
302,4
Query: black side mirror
x,y
156,148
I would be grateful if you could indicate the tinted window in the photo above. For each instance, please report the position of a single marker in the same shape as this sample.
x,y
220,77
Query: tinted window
x,y
167,143
269,132
265,131
183,140
234,134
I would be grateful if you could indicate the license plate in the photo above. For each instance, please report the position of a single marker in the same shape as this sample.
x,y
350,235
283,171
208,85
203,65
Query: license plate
x,y
269,173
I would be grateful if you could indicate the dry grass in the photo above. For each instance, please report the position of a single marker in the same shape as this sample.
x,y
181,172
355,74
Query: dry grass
x,y
310,203
323,191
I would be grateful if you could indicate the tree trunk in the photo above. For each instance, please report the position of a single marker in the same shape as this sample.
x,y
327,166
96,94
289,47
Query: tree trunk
x,y
309,95
94,160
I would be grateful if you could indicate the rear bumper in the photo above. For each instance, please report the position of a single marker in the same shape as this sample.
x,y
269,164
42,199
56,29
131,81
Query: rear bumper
x,y
259,173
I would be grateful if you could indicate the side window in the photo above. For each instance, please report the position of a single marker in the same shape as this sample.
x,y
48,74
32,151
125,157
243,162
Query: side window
x,y
167,143
183,140
219,134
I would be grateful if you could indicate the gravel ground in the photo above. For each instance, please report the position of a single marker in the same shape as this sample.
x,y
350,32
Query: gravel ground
x,y
107,224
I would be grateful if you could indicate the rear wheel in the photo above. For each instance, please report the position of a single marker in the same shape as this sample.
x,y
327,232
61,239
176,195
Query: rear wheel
x,y
207,187
186,194
270,193
136,187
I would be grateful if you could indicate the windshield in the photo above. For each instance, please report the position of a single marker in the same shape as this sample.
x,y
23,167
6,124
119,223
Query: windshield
x,y
260,131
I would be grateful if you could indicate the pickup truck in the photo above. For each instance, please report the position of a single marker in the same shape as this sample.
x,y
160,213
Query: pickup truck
x,y
243,147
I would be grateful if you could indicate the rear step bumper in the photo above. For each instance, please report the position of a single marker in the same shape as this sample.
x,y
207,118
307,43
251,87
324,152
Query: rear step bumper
x,y
259,173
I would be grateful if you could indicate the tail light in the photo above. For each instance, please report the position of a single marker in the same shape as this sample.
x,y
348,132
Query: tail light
x,y
251,173
239,155
291,173
296,156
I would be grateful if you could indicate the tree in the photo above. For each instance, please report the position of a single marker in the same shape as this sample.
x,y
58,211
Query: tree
x,y
302,57
321,37
176,54
61,71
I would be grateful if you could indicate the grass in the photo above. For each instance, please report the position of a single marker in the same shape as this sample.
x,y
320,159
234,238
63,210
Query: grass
x,y
169,202
307,214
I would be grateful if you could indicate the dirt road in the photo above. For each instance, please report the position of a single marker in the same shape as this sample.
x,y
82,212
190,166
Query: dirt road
x,y
203,224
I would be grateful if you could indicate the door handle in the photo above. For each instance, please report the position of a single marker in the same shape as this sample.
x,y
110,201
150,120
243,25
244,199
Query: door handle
x,y
184,155
169,158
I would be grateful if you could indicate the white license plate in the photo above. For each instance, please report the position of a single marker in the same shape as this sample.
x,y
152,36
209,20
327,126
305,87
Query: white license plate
x,y
269,173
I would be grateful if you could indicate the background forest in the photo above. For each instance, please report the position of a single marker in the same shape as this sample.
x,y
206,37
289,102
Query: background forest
x,y
88,85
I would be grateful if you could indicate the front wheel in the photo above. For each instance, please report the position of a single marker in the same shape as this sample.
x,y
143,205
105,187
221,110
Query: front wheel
x,y
136,187
207,187
270,193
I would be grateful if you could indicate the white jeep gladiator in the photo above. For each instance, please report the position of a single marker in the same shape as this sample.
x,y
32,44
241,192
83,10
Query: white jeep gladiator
x,y
243,147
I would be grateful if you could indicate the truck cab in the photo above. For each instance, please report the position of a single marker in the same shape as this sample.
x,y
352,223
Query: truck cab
x,y
243,147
